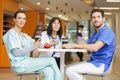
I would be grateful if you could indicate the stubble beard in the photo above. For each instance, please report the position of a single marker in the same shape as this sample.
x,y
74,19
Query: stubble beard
x,y
98,26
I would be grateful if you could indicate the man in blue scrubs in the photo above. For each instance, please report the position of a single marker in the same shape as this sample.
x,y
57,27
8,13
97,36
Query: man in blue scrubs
x,y
101,44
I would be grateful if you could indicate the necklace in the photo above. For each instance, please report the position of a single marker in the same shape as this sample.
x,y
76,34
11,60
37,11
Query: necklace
x,y
21,40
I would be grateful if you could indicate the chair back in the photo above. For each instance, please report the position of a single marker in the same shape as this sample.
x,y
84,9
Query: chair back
x,y
110,67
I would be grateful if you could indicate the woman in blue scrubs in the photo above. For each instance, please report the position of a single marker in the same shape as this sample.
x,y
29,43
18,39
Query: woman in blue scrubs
x,y
19,46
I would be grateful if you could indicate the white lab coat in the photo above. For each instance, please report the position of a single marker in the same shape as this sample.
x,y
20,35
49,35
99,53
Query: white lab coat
x,y
45,38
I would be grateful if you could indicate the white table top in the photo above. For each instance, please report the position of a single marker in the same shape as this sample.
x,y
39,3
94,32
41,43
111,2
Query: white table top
x,y
64,50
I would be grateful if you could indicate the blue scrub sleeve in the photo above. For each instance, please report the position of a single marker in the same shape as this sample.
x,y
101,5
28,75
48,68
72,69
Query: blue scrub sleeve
x,y
108,38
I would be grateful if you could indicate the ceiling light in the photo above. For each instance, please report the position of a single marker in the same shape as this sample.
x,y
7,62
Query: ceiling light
x,y
21,9
38,3
48,2
56,8
71,9
113,0
47,8
107,13
116,8
60,15
89,1
95,7
65,4
63,17
66,19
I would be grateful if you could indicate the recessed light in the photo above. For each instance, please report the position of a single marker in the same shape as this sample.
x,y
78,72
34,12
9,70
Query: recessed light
x,y
60,15
38,3
48,2
47,8
21,8
66,19
56,8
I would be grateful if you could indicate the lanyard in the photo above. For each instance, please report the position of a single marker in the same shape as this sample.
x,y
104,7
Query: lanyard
x,y
54,46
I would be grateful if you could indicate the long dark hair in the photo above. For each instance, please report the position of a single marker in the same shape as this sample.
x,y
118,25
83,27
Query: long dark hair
x,y
49,28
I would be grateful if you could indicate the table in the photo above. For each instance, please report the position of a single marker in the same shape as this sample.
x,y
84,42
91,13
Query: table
x,y
62,56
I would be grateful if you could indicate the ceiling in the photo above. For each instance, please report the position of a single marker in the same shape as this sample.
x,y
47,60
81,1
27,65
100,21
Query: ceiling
x,y
73,10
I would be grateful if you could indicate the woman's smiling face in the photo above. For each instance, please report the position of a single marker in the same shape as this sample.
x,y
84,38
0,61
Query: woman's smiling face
x,y
56,25
20,20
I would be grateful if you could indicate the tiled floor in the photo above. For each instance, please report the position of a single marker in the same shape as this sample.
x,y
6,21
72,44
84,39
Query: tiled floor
x,y
7,74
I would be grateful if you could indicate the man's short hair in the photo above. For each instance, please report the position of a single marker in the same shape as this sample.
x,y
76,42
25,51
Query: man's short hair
x,y
97,10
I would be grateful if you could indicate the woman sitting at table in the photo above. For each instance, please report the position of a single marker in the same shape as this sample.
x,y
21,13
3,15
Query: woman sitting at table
x,y
19,45
52,38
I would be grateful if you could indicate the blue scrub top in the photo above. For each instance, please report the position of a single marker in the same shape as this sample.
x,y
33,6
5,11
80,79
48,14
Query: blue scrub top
x,y
105,54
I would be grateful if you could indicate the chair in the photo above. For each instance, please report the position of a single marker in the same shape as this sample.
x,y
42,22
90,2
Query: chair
x,y
24,74
105,74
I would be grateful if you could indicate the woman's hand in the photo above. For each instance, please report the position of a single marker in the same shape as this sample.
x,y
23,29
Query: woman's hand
x,y
52,43
35,53
37,43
